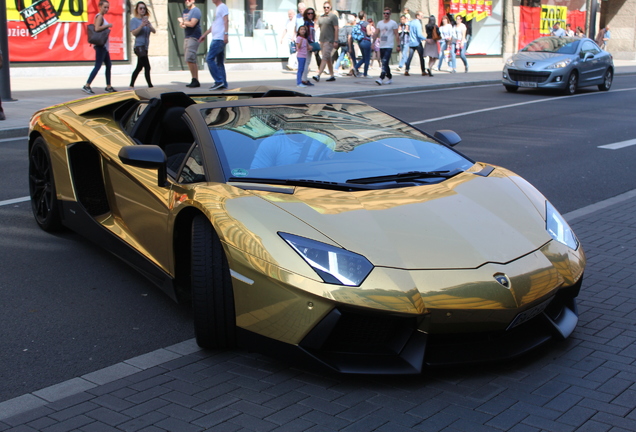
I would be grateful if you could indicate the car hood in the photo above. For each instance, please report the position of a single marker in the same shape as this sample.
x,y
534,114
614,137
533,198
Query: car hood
x,y
540,59
463,222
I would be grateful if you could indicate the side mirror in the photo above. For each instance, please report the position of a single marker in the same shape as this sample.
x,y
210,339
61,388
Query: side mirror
x,y
588,56
448,137
146,156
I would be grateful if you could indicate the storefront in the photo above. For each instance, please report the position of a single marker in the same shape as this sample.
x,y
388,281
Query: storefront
x,y
485,20
536,17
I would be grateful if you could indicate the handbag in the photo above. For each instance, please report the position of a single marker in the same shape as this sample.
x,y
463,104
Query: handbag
x,y
292,48
315,46
436,35
141,51
97,38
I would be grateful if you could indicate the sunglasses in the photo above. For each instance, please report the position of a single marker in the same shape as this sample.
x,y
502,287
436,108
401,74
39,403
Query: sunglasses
x,y
386,13
326,7
310,13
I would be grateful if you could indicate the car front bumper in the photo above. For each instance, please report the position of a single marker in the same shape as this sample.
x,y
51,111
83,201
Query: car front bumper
x,y
554,79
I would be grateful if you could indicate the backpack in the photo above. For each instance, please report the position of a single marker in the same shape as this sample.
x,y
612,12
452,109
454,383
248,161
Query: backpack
x,y
343,37
356,33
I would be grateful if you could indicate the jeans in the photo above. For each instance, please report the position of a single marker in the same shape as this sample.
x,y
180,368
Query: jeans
x,y
301,70
365,47
343,51
101,56
385,57
462,54
404,53
420,52
444,44
215,59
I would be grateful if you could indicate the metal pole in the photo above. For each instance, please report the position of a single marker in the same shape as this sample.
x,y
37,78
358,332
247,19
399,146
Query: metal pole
x,y
5,76
593,10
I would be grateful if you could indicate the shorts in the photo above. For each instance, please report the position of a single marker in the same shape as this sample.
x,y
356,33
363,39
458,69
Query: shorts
x,y
326,49
190,47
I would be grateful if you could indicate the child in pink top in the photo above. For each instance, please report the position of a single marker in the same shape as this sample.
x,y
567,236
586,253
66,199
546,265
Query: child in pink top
x,y
302,51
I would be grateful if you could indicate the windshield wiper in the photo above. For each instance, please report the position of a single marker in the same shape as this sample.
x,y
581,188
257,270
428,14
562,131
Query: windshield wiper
x,y
406,176
295,182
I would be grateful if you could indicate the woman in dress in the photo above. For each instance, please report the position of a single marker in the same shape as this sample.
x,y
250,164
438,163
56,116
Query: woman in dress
x,y
431,49
447,32
404,34
101,52
141,29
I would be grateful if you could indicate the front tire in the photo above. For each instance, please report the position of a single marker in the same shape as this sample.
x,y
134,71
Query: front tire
x,y
212,293
607,81
572,84
42,188
511,89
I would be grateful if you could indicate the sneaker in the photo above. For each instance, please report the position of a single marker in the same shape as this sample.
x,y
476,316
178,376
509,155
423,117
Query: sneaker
x,y
378,81
194,83
355,72
406,73
301,85
333,78
88,90
453,71
316,78
387,81
217,86
2,116
110,89
308,83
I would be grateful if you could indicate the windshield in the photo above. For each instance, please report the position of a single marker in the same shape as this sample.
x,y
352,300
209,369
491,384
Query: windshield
x,y
560,45
322,142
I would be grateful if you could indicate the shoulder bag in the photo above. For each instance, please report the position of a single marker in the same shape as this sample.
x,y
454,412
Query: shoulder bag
x,y
97,38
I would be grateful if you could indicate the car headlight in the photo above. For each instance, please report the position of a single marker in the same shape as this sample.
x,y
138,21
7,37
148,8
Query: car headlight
x,y
561,64
510,62
334,265
558,228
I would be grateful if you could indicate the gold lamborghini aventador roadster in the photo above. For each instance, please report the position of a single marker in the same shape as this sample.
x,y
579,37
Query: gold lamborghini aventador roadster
x,y
314,228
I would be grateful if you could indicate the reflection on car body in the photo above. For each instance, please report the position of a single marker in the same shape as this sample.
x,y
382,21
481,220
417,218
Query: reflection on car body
x,y
368,247
561,63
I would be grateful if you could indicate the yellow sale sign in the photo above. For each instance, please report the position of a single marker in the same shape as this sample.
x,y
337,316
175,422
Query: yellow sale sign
x,y
67,10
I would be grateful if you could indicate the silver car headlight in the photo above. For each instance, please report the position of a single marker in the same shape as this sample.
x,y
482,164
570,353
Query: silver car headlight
x,y
333,264
510,62
558,228
560,64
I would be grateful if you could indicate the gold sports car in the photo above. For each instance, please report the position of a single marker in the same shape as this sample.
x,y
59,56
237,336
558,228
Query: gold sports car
x,y
314,228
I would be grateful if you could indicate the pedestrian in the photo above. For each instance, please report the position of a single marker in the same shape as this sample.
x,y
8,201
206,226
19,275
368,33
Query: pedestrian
x,y
328,24
2,116
346,43
141,29
387,33
216,54
405,37
579,32
364,42
288,38
462,41
431,50
191,23
303,51
415,44
447,42
375,44
300,16
310,23
603,36
406,14
557,31
101,52
568,30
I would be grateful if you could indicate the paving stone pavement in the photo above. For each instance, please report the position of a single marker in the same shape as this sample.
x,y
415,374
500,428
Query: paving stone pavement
x,y
586,383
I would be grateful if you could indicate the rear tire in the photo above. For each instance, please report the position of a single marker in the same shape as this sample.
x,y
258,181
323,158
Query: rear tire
x,y
44,202
212,293
607,81
572,84
511,89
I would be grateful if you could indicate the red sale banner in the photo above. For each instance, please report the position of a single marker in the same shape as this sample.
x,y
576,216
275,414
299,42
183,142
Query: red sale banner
x,y
65,40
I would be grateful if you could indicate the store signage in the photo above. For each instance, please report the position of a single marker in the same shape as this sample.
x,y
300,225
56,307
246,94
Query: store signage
x,y
39,16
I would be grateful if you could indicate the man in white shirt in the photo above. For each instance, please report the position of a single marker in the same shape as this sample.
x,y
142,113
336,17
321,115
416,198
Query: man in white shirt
x,y
216,53
387,31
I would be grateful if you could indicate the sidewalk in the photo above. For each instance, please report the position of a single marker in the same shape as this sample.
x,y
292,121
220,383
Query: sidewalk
x,y
33,93
584,383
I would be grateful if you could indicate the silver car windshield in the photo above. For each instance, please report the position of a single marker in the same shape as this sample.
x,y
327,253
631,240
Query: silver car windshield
x,y
559,45
322,142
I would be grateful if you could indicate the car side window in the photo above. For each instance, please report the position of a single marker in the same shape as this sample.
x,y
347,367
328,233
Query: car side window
x,y
589,47
133,116
193,171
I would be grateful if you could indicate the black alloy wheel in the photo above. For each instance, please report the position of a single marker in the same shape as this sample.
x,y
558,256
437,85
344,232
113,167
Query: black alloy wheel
x,y
42,188
212,293
607,80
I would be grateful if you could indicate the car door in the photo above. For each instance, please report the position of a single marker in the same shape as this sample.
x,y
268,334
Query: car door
x,y
593,67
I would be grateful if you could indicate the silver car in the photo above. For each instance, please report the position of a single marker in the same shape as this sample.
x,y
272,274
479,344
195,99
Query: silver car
x,y
563,63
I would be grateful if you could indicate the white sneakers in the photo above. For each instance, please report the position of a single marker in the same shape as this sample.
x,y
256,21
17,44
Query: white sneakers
x,y
384,81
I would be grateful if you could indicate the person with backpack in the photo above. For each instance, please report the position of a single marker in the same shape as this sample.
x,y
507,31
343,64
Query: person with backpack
x,y
363,37
345,43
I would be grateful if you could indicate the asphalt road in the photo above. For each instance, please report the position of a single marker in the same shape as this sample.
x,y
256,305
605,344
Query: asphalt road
x,y
69,308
